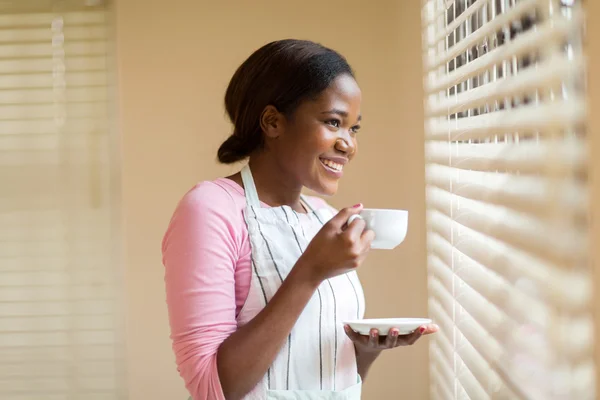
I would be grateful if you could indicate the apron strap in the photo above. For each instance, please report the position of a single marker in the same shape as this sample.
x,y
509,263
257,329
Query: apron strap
x,y
252,194
306,203
250,187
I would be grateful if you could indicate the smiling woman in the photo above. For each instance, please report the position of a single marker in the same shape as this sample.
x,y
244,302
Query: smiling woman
x,y
258,276
297,104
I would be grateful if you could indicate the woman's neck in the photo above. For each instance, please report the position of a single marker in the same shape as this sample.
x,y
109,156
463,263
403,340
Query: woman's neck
x,y
274,186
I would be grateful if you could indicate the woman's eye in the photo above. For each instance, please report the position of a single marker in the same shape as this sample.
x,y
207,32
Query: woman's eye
x,y
334,122
355,129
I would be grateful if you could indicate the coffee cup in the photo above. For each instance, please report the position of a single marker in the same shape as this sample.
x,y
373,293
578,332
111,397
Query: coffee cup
x,y
389,226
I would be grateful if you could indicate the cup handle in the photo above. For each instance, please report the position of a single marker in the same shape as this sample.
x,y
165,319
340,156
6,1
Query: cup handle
x,y
353,217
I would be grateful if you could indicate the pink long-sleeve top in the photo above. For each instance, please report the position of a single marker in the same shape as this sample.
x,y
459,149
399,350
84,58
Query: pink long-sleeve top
x,y
206,254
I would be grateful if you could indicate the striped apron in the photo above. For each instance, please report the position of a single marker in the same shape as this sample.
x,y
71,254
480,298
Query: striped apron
x,y
318,360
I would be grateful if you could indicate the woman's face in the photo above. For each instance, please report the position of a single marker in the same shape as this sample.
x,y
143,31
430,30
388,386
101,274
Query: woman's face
x,y
319,139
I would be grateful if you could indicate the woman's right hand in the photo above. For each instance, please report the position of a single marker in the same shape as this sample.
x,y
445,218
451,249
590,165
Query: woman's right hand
x,y
337,248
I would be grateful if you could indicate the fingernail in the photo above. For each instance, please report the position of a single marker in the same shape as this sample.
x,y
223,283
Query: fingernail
x,y
373,334
357,205
421,329
395,333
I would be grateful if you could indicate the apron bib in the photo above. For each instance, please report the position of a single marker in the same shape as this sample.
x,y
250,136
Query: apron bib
x,y
318,360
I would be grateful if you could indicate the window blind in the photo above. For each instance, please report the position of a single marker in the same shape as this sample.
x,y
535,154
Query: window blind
x,y
60,321
507,199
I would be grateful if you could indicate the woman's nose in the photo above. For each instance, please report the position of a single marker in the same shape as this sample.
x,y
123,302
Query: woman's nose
x,y
345,145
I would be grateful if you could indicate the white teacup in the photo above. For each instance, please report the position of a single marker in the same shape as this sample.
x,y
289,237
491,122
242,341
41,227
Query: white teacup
x,y
389,226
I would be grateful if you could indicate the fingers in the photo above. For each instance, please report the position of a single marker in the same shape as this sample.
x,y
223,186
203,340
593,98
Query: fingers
x,y
355,229
342,217
355,336
366,238
411,338
391,340
374,338
375,342
429,329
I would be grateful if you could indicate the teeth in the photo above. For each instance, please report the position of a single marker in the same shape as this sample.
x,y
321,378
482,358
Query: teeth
x,y
332,165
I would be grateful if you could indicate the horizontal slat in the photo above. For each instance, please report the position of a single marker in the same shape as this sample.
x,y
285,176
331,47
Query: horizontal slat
x,y
62,279
531,194
44,50
74,218
64,338
547,75
25,249
475,379
36,35
432,11
552,31
87,395
487,325
441,382
509,296
467,356
581,379
47,309
457,22
564,156
94,289
34,234
471,332
451,375
569,288
83,79
447,379
48,111
21,20
64,143
62,176
49,126
498,312
444,361
49,201
65,191
53,370
542,119
519,10
465,323
15,72
489,285
30,263
486,370
39,354
554,241
89,158
49,96
42,386
487,316
57,323
442,348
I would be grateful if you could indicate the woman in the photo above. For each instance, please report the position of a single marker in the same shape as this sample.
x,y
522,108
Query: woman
x,y
259,277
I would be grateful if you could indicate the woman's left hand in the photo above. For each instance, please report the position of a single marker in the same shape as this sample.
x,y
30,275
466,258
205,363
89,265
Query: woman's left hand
x,y
374,343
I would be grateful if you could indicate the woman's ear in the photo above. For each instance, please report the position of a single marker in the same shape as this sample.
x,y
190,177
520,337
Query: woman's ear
x,y
271,122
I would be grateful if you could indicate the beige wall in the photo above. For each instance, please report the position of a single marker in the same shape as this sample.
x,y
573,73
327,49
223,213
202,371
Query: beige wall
x,y
174,63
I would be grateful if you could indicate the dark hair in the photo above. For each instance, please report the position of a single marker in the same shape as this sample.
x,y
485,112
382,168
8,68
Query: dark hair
x,y
282,74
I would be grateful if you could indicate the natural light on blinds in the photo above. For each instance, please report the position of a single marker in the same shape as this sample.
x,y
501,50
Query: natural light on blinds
x,y
507,200
59,321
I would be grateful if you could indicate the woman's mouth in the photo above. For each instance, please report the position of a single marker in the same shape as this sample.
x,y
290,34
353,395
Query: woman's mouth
x,y
332,167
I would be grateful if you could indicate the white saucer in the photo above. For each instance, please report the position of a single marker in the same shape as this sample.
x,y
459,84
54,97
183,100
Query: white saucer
x,y
404,325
